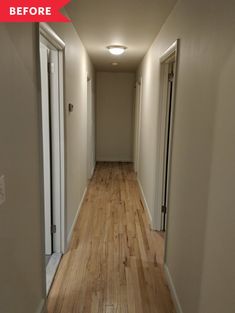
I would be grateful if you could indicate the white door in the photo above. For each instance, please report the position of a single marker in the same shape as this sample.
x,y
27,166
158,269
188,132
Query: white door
x,y
137,125
46,146
93,160
90,113
55,146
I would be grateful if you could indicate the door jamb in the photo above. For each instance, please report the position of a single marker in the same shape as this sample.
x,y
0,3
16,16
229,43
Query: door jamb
x,y
90,144
47,32
172,50
138,108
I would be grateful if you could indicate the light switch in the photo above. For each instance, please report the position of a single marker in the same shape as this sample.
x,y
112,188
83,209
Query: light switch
x,y
2,190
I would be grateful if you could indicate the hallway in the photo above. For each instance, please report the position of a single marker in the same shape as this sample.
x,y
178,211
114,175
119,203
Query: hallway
x,y
117,162
114,262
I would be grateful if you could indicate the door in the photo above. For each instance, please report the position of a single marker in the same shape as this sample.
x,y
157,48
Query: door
x,y
55,134
44,60
53,118
137,124
90,156
167,143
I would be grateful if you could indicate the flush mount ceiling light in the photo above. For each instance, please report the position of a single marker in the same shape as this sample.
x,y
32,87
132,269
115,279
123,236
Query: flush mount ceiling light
x,y
116,50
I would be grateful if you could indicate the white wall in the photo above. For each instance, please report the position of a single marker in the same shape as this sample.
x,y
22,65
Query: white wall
x,y
200,254
22,284
218,270
77,67
114,116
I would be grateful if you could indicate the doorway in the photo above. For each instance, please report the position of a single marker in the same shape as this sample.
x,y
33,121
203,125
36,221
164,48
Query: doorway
x,y
138,98
167,140
90,130
52,108
168,65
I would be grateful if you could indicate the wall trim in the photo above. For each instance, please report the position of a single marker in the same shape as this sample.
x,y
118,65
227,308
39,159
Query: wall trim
x,y
42,307
173,292
145,202
51,35
76,217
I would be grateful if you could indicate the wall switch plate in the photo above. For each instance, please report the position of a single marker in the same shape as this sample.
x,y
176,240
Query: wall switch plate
x,y
2,190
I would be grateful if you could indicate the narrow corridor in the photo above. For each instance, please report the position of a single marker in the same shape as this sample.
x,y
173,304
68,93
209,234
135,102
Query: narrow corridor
x,y
114,262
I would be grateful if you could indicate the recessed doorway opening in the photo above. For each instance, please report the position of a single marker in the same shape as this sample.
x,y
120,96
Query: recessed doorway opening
x,y
168,68
137,113
91,159
52,108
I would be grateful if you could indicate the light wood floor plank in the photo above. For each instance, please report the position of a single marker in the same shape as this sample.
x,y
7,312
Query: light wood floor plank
x,y
115,261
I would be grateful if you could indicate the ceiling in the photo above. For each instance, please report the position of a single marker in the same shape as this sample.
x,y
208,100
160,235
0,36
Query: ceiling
x,y
132,23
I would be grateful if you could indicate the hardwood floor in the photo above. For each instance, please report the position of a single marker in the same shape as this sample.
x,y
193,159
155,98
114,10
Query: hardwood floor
x,y
114,263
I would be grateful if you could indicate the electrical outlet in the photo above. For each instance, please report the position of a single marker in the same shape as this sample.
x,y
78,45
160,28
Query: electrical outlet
x,y
2,190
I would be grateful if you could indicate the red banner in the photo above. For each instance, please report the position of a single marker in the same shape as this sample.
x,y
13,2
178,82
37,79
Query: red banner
x,y
32,11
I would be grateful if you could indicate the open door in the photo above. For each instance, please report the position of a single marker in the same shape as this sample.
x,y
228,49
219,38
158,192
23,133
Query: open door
x,y
52,107
167,141
165,118
44,60
138,106
90,130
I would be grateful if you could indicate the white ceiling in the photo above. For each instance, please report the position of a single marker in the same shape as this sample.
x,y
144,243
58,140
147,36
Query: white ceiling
x,y
132,23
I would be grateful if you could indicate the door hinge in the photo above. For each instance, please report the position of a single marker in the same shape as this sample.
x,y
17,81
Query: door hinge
x,y
164,209
53,229
171,77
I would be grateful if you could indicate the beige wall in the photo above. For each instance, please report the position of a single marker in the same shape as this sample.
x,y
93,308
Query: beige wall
x,y
218,287
114,116
200,254
21,271
77,68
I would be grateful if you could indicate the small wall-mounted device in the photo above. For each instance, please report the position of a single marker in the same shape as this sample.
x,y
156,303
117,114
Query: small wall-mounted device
x,y
71,107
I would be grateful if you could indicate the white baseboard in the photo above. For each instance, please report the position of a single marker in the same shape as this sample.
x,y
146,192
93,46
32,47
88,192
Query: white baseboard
x,y
172,290
114,160
92,171
145,202
76,217
42,307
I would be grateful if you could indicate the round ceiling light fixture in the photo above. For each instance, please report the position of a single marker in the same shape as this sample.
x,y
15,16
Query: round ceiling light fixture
x,y
116,50
114,64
